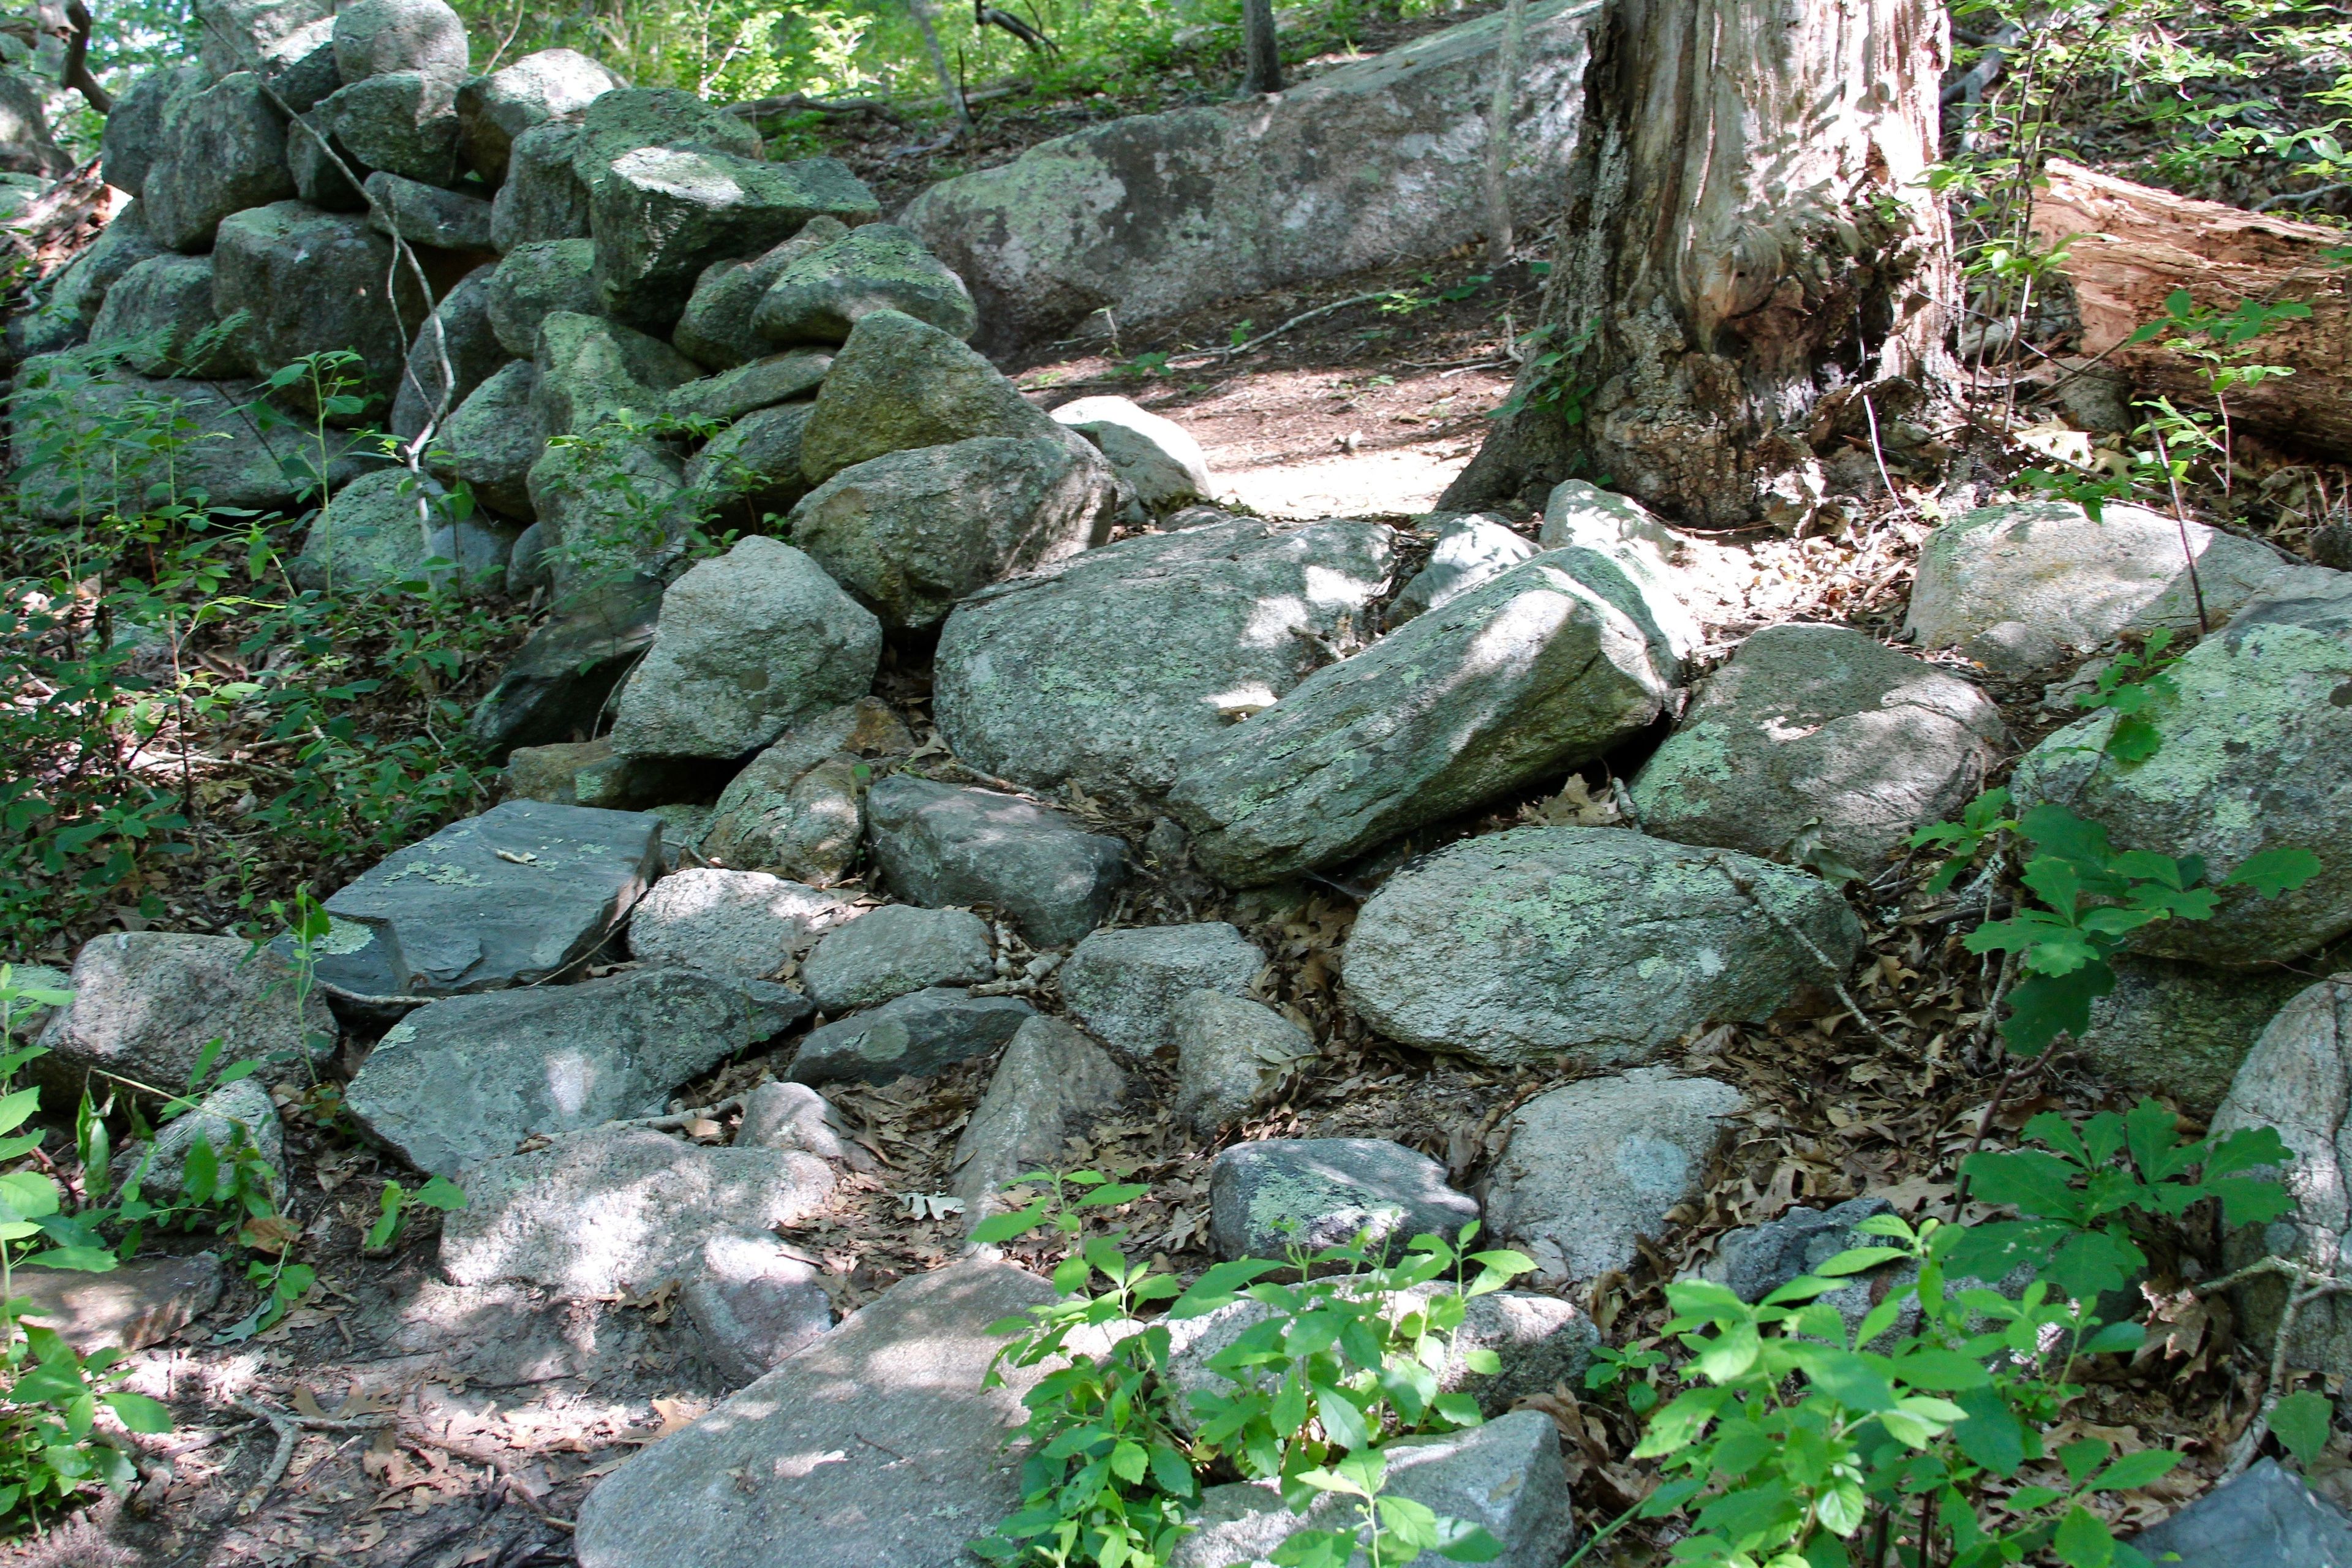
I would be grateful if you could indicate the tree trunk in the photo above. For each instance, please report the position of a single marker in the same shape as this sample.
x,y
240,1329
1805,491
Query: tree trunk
x,y
949,89
1501,111
1261,60
2134,246
1747,251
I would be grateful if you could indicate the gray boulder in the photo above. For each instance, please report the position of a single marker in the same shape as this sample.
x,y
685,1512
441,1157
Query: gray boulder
x,y
661,214
2181,1029
493,112
799,806
457,335
1051,1082
750,643
911,1037
1818,740
1685,578
308,282
1123,985
820,296
1594,942
2263,1519
1588,1169
1505,1477
239,1115
910,533
1755,1260
428,214
1105,668
1153,456
221,150
747,388
161,313
534,282
542,197
794,1116
404,121
556,685
384,528
894,950
145,1004
592,370
2254,744
492,439
463,1081
373,38
619,1210
746,924
749,473
628,119
133,138
515,895
1153,217
898,384
1548,665
717,326
941,844
752,1303
1469,550
903,1375
72,297
1269,1197
2021,585
1233,1056
233,35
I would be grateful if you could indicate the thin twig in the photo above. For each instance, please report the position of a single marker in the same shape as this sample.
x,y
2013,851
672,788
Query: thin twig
x,y
1299,320
2180,516
678,1118
2315,1283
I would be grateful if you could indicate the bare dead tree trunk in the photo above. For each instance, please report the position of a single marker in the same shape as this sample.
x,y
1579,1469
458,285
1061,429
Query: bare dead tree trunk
x,y
948,87
1261,60
1748,252
1500,110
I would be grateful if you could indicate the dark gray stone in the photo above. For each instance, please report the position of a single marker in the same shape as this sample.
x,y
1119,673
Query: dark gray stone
x,y
542,197
428,214
1268,1197
820,296
492,439
2183,1030
458,331
797,807
911,1037
894,950
1125,985
942,844
1233,1056
556,685
535,281
300,67
717,326
1051,1081
1755,1261
310,281
495,110
221,150
377,37
453,914
2265,1518
161,312
327,172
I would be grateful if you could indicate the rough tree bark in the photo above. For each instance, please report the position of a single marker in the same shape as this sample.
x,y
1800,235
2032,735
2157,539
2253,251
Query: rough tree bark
x,y
1262,57
1747,250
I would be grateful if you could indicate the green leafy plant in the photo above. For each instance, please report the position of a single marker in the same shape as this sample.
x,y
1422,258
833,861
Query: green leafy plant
x,y
397,1203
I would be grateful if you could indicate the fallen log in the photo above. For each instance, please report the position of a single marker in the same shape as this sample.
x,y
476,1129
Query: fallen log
x,y
2134,245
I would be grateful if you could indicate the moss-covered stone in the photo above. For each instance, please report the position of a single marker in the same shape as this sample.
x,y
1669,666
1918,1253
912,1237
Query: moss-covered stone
x,y
751,472
819,297
900,382
592,370
715,329
762,384
534,282
492,440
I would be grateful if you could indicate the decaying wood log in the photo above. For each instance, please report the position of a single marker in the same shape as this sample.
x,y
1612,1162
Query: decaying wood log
x,y
2134,246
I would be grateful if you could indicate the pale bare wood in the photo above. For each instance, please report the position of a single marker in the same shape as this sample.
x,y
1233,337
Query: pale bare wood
x,y
2134,246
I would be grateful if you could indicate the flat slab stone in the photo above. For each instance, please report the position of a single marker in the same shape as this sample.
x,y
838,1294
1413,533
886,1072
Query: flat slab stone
x,y
503,899
464,1080
1313,1193
875,1448
1125,985
912,1035
744,923
141,1303
894,950
943,844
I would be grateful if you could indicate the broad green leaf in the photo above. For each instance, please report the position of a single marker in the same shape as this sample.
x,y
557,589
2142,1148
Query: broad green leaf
x,y
138,1413
2279,869
1942,1371
2084,1455
15,1108
2301,1420
2043,1007
2084,1541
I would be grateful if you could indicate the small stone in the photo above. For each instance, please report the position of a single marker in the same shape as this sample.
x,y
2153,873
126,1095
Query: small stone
x,y
1123,985
1233,1056
1156,456
146,1004
943,844
1757,1259
2263,1519
428,214
797,807
753,1303
743,923
895,950
762,384
1267,1197
592,371
821,296
374,37
1469,550
492,440
534,282
794,1116
914,1036
898,384
750,472
495,110
542,197
620,1210
1051,1082
1589,1168
750,643
141,1303
241,1114
717,326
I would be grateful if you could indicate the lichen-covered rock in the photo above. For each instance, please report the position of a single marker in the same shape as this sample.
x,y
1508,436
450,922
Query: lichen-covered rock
x,y
751,472
894,950
746,924
909,1036
462,1081
1268,1197
134,139
941,844
2020,585
1587,1169
2256,755
717,326
1051,1081
1592,942
797,807
146,1004
373,38
1153,455
496,111
2181,1030
910,533
1108,668
1469,549
1548,665
750,643
230,35
385,528
535,281
161,312
1233,1056
492,439
221,150
542,197
1125,985
624,120
661,214
308,281
428,214
1153,217
592,370
612,507
818,297
457,335
1818,740
1687,579
747,388
404,121
898,384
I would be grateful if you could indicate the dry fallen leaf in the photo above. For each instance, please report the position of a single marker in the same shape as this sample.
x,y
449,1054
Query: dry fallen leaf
x,y
676,1414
